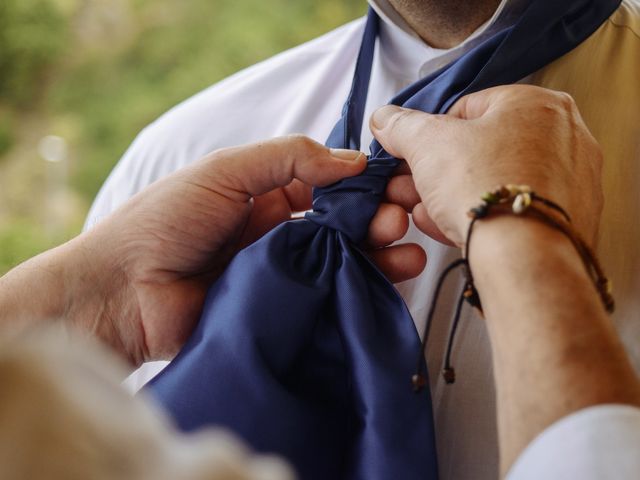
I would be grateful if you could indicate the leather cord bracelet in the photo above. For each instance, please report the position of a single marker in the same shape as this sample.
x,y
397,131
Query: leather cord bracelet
x,y
517,200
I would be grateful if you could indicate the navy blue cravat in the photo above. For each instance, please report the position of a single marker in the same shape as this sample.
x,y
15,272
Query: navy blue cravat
x,y
304,348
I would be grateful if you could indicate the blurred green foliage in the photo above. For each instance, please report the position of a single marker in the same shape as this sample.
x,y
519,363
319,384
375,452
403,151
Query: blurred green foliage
x,y
6,133
95,72
32,35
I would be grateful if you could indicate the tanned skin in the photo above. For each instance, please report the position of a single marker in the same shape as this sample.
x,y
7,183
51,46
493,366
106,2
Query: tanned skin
x,y
445,23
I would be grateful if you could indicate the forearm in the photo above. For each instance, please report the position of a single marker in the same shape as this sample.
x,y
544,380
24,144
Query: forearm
x,y
555,350
64,286
33,292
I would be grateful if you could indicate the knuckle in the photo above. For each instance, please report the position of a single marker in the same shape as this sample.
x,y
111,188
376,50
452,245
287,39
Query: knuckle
x,y
522,94
591,150
299,146
515,91
298,139
566,101
550,102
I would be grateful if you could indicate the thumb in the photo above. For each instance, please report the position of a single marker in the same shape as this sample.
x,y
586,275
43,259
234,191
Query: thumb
x,y
258,168
501,99
406,133
478,104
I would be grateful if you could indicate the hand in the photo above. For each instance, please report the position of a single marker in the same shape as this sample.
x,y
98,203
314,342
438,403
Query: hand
x,y
515,134
554,348
154,259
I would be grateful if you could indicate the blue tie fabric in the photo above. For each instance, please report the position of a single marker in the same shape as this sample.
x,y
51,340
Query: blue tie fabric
x,y
304,348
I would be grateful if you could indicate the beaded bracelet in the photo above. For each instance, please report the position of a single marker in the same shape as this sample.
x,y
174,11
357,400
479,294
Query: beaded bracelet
x,y
518,200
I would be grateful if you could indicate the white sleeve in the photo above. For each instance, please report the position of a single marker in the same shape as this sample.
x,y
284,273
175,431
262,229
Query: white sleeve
x,y
601,442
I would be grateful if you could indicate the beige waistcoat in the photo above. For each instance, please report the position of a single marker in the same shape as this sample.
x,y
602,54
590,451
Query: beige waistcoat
x,y
603,76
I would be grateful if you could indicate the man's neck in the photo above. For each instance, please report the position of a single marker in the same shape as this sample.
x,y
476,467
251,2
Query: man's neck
x,y
445,23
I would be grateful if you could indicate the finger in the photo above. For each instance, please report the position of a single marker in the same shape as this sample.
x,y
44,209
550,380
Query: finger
x,y
400,262
260,167
298,195
426,225
406,133
402,191
268,211
402,169
502,98
390,223
477,104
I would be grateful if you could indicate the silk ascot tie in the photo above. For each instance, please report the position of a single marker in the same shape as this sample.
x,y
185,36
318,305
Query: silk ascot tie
x,y
304,348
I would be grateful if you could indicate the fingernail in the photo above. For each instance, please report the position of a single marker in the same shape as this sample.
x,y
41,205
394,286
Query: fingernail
x,y
381,116
344,154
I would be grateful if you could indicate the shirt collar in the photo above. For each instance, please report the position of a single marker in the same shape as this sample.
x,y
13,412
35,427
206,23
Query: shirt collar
x,y
408,55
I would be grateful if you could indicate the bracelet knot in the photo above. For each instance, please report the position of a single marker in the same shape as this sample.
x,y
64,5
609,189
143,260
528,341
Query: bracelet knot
x,y
521,199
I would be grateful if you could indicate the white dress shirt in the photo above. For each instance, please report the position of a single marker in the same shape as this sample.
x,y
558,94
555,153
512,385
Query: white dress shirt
x,y
302,91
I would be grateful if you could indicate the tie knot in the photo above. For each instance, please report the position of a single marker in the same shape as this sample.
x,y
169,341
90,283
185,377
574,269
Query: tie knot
x,y
349,205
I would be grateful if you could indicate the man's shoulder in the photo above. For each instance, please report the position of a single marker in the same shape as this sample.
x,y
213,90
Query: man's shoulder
x,y
299,90
261,89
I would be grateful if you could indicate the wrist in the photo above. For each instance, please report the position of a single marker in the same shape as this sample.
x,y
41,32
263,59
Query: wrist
x,y
69,286
519,240
531,260
33,293
98,300
522,201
